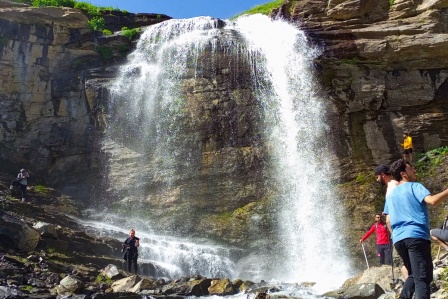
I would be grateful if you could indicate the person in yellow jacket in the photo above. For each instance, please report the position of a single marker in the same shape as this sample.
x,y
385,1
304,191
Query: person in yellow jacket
x,y
407,145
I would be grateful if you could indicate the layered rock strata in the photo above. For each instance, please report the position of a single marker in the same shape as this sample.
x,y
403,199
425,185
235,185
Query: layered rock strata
x,y
384,69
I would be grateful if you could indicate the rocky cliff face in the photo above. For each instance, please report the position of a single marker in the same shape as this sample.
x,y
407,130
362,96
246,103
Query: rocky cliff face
x,y
47,119
383,70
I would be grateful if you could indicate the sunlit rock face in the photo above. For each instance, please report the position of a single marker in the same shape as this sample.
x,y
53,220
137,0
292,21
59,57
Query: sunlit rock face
x,y
385,69
47,119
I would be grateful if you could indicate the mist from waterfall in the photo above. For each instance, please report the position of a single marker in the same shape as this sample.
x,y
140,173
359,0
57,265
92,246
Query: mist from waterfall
x,y
146,100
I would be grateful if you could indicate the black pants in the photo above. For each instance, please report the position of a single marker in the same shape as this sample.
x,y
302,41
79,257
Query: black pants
x,y
132,260
384,254
23,189
416,255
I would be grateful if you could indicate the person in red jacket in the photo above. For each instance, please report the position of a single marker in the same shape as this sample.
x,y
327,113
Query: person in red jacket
x,y
382,240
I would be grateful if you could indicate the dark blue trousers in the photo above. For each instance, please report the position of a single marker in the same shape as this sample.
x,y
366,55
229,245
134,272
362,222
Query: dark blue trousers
x,y
384,254
416,255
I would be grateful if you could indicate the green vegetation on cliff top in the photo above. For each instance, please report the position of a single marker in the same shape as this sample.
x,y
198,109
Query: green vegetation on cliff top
x,y
90,8
264,9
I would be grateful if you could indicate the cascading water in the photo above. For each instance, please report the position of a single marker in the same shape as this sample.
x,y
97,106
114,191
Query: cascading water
x,y
145,131
312,247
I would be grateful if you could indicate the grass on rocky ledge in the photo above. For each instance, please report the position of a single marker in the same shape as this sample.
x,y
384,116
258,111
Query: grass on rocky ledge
x,y
86,6
42,190
264,9
103,278
426,163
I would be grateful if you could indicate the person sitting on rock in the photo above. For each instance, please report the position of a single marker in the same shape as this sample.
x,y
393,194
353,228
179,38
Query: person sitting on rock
x,y
440,235
130,250
22,178
382,240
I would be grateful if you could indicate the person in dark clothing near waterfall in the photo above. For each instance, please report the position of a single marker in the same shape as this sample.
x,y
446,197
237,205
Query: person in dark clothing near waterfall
x,y
382,240
130,250
22,178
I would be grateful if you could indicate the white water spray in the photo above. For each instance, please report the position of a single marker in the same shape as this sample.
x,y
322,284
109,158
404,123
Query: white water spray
x,y
308,215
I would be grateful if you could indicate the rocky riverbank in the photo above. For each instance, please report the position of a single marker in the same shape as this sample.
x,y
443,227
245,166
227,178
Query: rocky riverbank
x,y
46,254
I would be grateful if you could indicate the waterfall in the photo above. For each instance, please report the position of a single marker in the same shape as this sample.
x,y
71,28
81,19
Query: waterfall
x,y
154,156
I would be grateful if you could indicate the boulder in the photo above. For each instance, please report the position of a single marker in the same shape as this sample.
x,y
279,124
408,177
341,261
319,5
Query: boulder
x,y
245,285
46,229
379,275
112,272
144,284
199,287
16,234
358,291
125,284
70,284
221,287
8,292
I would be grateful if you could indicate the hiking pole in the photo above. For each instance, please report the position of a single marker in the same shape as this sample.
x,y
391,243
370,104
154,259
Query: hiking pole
x,y
363,250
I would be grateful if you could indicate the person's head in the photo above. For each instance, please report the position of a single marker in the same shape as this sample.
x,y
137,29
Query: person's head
x,y
382,173
22,170
405,134
132,232
403,170
378,217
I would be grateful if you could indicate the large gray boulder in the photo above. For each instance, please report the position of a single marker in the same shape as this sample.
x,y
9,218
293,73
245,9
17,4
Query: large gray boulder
x,y
358,291
125,284
70,284
379,275
16,234
46,229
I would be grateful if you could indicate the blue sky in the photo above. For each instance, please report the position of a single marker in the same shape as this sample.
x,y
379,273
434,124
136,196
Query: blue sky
x,y
180,9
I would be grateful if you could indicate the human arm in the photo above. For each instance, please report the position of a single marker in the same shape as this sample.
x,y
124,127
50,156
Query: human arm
x,y
367,234
124,245
388,224
436,198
